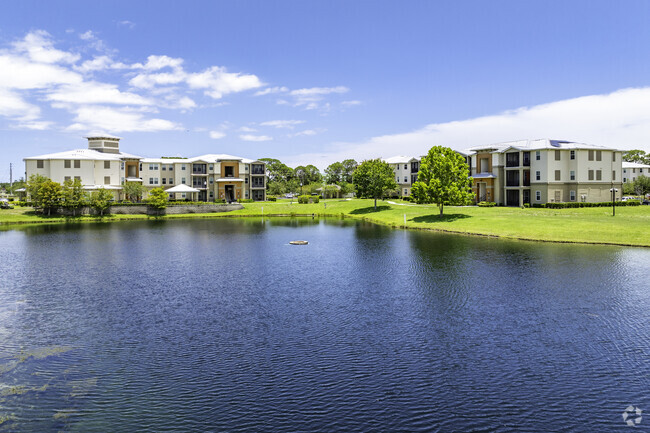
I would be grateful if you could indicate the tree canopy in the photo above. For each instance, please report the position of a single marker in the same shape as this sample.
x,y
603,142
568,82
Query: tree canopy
x,y
34,185
636,155
100,200
74,195
372,179
443,179
133,191
158,199
51,196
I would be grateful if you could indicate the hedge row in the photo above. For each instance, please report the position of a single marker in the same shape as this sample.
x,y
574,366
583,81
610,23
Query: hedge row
x,y
583,204
304,199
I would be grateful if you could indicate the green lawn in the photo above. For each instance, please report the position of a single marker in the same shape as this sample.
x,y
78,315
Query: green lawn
x,y
630,226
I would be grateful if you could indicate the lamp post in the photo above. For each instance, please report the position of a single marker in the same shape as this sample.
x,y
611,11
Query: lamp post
x,y
613,190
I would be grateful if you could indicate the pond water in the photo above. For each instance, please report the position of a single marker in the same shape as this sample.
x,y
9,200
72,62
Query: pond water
x,y
221,325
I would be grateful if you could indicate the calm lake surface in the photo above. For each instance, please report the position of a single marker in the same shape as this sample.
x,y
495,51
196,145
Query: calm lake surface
x,y
220,325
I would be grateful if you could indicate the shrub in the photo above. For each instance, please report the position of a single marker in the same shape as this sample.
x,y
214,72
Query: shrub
x,y
315,199
219,200
271,199
486,204
246,200
407,198
526,205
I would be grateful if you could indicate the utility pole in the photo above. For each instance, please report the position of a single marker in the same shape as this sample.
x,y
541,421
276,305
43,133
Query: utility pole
x,y
11,179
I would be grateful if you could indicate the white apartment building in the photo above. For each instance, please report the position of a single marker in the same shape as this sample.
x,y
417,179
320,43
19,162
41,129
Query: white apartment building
x,y
632,170
545,171
406,172
102,165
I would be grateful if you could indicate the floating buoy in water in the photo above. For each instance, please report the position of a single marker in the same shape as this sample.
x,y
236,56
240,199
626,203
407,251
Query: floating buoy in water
x,y
298,243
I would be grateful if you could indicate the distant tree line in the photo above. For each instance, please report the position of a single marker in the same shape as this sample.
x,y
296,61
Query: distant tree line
x,y
283,179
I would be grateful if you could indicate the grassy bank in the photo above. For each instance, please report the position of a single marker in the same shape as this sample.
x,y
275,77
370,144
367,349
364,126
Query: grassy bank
x,y
630,226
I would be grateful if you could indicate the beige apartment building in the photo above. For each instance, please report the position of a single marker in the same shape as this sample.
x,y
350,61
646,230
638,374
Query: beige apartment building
x,y
545,171
632,170
103,165
406,172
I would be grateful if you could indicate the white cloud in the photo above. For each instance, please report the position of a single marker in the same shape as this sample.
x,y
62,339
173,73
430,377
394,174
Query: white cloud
x,y
159,62
38,46
218,82
620,119
247,129
217,135
270,90
96,93
307,132
350,103
126,23
148,81
117,120
310,98
20,73
250,137
289,124
12,105
319,91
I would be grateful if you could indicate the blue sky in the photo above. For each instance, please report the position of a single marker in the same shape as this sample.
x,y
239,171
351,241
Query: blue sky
x,y
316,82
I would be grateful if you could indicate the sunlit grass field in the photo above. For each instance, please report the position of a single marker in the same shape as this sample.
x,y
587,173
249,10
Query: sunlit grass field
x,y
630,226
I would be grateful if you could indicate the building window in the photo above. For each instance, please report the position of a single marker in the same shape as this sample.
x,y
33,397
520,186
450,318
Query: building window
x,y
406,179
558,154
140,166
39,163
406,166
153,167
66,178
572,195
397,179
613,156
591,155
212,181
183,179
591,174
406,191
212,167
171,167
557,174
163,167
573,174
77,178
245,180
599,155
613,174
67,164
122,166
77,163
107,165
212,194
107,180
538,155
151,181
573,154
183,195
599,175
538,175
183,168
171,180
538,196
164,181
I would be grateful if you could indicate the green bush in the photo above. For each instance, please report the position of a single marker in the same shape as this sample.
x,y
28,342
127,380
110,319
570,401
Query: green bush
x,y
303,199
526,205
486,204
407,198
271,199
315,198
570,205
246,200
219,200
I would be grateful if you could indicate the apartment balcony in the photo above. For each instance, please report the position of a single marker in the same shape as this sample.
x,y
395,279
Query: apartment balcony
x,y
526,159
512,159
257,169
512,179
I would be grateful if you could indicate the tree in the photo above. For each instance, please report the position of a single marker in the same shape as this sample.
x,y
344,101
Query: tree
x,y
276,170
372,178
334,173
158,199
74,195
641,185
349,165
51,196
133,191
636,155
34,185
312,174
100,200
443,179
